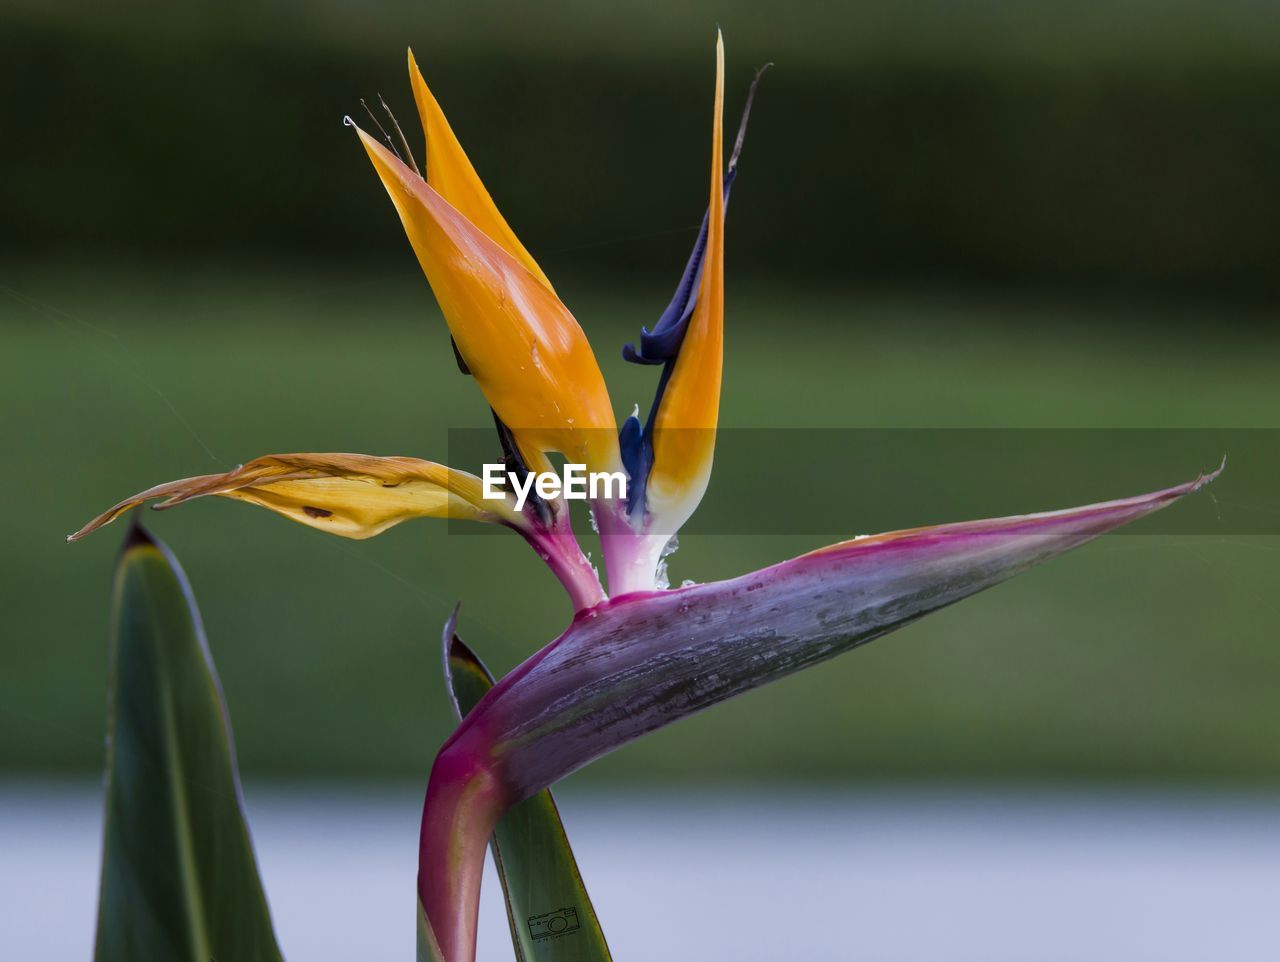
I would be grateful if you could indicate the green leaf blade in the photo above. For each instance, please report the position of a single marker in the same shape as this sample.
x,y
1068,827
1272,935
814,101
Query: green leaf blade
x,y
549,910
179,877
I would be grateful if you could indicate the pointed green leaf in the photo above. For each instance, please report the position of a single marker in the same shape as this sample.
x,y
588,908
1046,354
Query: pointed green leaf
x,y
550,913
179,878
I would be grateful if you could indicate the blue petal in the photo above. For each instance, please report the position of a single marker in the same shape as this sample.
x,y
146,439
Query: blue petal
x,y
663,342
637,459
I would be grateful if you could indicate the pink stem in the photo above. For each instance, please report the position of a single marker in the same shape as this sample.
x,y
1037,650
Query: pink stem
x,y
558,547
464,801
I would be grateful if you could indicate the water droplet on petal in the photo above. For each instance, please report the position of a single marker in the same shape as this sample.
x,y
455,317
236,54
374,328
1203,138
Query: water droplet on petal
x,y
661,580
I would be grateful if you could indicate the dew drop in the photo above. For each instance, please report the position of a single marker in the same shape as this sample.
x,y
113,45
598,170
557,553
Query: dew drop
x,y
661,581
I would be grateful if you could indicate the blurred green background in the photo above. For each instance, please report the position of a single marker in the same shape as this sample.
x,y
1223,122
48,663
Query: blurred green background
x,y
995,214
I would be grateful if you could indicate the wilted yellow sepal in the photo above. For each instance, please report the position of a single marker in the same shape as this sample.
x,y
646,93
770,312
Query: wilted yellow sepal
x,y
352,495
685,422
525,350
450,172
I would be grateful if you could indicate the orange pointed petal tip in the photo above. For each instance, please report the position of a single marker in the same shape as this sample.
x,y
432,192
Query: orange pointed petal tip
x,y
451,174
688,412
352,495
525,350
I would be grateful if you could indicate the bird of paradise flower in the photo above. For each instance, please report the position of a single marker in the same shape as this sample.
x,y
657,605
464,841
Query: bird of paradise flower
x,y
647,656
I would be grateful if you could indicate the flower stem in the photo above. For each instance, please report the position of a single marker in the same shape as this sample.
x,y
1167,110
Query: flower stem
x,y
559,549
462,806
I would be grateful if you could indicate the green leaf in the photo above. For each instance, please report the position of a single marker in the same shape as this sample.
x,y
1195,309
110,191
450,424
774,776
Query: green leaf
x,y
179,879
550,913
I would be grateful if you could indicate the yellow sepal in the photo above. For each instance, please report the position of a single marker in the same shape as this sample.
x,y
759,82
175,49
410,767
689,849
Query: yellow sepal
x,y
525,350
352,495
685,423
450,172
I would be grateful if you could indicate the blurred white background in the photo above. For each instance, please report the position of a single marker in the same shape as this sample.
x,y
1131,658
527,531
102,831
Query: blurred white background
x,y
750,875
